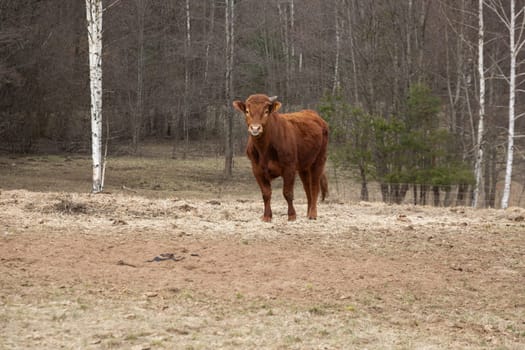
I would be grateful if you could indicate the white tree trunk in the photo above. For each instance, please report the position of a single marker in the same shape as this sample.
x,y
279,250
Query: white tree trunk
x,y
229,24
337,82
94,26
479,145
292,25
186,107
512,103
515,47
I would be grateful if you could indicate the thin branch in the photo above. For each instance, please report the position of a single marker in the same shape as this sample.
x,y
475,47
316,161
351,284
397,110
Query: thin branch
x,y
112,4
522,27
519,116
495,6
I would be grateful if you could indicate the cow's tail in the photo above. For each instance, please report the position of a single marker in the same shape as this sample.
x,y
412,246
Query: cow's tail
x,y
324,186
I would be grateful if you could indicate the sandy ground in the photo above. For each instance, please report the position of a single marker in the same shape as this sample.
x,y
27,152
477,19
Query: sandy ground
x,y
112,271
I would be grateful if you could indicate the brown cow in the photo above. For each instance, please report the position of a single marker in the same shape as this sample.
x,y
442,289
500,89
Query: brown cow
x,y
282,145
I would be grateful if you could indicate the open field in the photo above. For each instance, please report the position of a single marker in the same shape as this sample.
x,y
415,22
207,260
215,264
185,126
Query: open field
x,y
173,257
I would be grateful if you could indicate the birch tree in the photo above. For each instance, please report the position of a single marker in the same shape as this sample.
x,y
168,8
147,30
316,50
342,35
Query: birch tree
x,y
228,91
94,27
515,45
187,61
338,24
481,72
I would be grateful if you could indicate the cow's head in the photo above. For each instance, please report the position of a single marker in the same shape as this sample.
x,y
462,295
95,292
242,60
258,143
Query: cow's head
x,y
257,110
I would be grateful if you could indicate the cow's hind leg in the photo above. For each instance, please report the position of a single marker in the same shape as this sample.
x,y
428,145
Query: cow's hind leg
x,y
306,180
324,186
315,186
288,184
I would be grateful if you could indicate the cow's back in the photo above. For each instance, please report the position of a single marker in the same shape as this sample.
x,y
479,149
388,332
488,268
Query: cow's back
x,y
311,136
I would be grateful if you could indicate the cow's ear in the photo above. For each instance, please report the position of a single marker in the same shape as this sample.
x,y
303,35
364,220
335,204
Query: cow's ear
x,y
275,106
240,106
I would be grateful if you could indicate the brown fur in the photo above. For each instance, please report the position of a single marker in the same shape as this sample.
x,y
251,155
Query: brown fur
x,y
283,145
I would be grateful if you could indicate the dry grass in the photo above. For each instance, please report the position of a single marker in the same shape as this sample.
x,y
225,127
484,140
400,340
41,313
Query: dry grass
x,y
149,177
78,270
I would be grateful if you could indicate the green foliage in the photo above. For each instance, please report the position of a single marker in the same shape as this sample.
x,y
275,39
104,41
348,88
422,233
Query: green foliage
x,y
411,149
422,108
350,131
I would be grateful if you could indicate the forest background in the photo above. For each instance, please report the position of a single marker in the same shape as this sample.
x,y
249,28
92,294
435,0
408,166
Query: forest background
x,y
398,82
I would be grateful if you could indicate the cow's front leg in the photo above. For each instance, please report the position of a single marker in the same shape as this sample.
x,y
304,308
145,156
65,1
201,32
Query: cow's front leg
x,y
288,184
266,191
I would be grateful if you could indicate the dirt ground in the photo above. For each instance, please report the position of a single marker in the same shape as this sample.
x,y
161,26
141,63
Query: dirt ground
x,y
112,271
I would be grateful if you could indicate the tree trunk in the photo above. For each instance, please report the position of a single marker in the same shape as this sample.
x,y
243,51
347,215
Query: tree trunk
x,y
448,197
512,103
491,177
435,191
187,62
208,42
454,79
292,26
364,184
286,49
404,191
385,192
462,194
423,194
139,102
350,16
337,79
94,24
229,24
423,15
479,145
409,43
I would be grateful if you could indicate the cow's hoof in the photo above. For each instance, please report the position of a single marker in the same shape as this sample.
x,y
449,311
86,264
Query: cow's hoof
x,y
312,217
266,218
292,217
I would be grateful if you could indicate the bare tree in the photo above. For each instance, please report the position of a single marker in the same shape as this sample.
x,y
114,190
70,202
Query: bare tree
x,y
138,112
515,45
338,32
350,9
209,38
94,26
481,71
185,103
228,91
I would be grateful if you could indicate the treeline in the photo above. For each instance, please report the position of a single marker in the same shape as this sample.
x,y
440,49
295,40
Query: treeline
x,y
396,79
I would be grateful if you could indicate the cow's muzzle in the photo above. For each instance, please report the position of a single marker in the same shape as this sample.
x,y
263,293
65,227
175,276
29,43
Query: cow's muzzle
x,y
255,129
